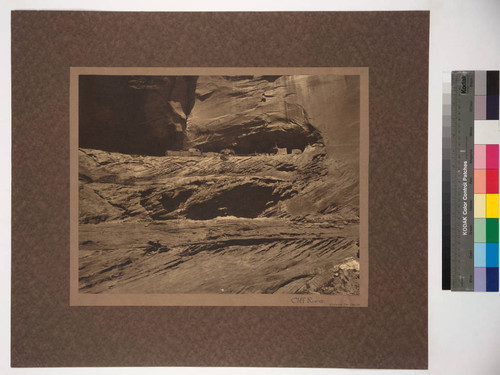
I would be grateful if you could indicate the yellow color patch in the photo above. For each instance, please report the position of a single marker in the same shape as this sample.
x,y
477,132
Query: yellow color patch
x,y
492,205
479,206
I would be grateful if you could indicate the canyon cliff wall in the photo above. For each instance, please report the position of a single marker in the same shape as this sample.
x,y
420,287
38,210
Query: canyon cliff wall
x,y
148,115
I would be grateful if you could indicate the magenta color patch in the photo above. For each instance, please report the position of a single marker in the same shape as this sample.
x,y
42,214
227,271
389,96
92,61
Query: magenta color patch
x,y
479,156
491,156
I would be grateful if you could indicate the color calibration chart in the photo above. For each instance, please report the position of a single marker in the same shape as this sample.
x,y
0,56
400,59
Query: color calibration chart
x,y
471,139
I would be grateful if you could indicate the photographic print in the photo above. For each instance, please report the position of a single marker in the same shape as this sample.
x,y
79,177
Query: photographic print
x,y
219,186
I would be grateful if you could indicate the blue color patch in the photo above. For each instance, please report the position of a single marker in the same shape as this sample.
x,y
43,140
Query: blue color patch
x,y
492,107
492,279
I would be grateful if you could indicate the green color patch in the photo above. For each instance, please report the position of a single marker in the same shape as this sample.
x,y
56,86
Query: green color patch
x,y
491,230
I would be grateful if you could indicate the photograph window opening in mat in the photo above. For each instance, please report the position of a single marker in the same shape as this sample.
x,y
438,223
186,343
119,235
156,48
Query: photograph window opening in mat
x,y
219,186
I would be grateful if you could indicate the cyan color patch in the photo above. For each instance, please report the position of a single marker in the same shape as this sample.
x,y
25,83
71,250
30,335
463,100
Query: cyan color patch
x,y
479,255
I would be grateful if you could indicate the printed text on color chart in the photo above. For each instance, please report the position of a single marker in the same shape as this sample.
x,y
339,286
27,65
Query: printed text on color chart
x,y
464,197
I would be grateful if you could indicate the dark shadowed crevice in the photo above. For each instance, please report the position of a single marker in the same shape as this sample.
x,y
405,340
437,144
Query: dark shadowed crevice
x,y
143,115
248,200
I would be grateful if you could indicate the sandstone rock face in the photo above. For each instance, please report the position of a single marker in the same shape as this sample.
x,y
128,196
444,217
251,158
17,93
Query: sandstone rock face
x,y
255,114
218,184
149,115
217,224
332,105
248,115
298,187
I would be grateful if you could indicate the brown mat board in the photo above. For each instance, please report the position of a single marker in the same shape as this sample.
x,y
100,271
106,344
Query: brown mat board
x,y
390,333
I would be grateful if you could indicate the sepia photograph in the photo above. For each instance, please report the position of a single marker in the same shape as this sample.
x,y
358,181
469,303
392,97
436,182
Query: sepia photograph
x,y
219,186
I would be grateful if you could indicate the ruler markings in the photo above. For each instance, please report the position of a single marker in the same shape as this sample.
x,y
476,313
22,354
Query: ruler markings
x,y
462,193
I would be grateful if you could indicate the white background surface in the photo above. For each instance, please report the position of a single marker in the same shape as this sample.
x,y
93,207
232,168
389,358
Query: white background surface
x,y
464,328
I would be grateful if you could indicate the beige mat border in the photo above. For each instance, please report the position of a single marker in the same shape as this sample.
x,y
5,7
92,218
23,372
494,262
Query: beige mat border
x,y
85,299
